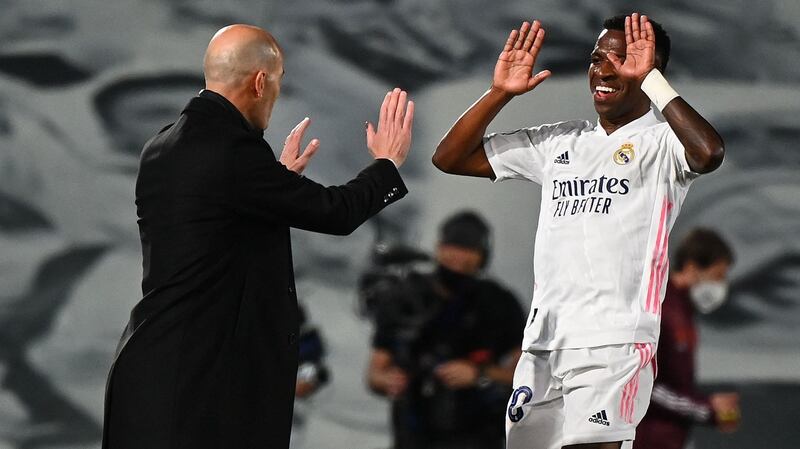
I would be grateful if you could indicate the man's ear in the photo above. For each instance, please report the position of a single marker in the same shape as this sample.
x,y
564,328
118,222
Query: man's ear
x,y
260,83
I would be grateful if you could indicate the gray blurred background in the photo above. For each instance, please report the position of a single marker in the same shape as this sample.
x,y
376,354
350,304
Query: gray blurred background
x,y
83,83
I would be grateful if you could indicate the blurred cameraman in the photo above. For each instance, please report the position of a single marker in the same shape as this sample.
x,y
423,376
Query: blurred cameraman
x,y
697,283
446,344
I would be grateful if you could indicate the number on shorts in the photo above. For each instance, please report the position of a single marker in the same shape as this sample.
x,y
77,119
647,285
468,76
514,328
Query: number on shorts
x,y
515,412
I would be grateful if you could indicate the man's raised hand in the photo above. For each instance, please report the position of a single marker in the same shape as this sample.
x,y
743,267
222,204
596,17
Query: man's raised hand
x,y
641,48
290,156
513,72
392,138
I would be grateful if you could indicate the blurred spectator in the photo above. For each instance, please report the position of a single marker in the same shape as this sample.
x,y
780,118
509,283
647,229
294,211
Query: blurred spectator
x,y
312,374
697,283
446,344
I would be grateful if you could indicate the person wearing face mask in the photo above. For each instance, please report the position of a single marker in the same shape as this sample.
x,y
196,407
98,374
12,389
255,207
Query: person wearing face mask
x,y
697,283
445,346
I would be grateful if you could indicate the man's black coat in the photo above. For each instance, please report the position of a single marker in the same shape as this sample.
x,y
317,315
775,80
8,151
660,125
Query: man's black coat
x,y
209,357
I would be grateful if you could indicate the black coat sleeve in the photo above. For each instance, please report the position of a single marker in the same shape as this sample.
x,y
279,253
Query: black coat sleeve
x,y
265,188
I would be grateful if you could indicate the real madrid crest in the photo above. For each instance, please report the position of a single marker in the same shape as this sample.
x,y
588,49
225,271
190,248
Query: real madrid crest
x,y
625,154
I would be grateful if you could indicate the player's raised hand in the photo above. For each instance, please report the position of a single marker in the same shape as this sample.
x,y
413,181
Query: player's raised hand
x,y
290,156
640,55
513,72
392,138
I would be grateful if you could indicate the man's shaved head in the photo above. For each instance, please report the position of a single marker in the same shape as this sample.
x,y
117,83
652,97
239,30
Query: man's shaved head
x,y
244,64
238,51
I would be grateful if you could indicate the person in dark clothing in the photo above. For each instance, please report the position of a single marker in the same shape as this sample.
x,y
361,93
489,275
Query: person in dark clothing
x,y
445,347
210,355
696,284
312,373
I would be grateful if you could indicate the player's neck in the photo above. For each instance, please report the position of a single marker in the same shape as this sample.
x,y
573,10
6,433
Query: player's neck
x,y
613,123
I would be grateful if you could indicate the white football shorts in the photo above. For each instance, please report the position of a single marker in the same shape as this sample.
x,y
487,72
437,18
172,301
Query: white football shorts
x,y
578,396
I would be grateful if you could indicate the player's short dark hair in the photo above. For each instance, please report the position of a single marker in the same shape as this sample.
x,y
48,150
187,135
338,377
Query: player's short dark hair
x,y
663,42
106,98
704,247
468,230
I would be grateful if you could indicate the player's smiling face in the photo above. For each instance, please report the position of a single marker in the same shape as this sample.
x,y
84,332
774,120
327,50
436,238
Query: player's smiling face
x,y
616,99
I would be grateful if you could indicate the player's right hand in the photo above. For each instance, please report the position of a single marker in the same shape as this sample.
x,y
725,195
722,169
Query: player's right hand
x,y
513,73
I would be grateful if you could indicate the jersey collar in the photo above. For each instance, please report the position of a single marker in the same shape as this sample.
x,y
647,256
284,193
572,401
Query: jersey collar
x,y
645,121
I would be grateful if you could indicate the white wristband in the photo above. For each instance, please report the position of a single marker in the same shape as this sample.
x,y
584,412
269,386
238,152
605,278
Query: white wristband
x,y
658,89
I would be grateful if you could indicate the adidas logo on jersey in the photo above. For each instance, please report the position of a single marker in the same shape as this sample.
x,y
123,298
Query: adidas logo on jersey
x,y
600,418
563,158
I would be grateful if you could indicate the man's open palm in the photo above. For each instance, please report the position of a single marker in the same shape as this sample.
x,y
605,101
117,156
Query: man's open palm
x,y
291,156
513,72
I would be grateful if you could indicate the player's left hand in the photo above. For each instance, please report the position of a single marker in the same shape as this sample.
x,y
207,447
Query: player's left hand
x,y
641,48
457,374
290,156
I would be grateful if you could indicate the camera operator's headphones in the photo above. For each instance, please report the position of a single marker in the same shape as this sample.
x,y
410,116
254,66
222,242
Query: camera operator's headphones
x,y
469,230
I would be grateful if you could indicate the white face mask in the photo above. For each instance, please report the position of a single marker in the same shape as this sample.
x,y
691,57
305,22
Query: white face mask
x,y
708,296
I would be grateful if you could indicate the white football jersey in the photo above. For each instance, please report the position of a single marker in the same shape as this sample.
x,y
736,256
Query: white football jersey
x,y
608,204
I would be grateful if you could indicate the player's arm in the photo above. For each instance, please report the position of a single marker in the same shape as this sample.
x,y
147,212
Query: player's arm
x,y
704,147
461,149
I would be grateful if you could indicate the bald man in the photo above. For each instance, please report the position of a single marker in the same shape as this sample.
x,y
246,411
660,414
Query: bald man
x,y
209,356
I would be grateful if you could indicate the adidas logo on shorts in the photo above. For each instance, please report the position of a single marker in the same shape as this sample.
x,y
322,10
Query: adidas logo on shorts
x,y
562,159
600,418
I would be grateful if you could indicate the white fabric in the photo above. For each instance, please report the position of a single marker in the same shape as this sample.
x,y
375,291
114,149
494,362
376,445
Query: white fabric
x,y
656,87
600,252
579,396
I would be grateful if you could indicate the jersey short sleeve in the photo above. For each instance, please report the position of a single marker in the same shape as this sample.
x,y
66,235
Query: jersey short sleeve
x,y
519,154
523,154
